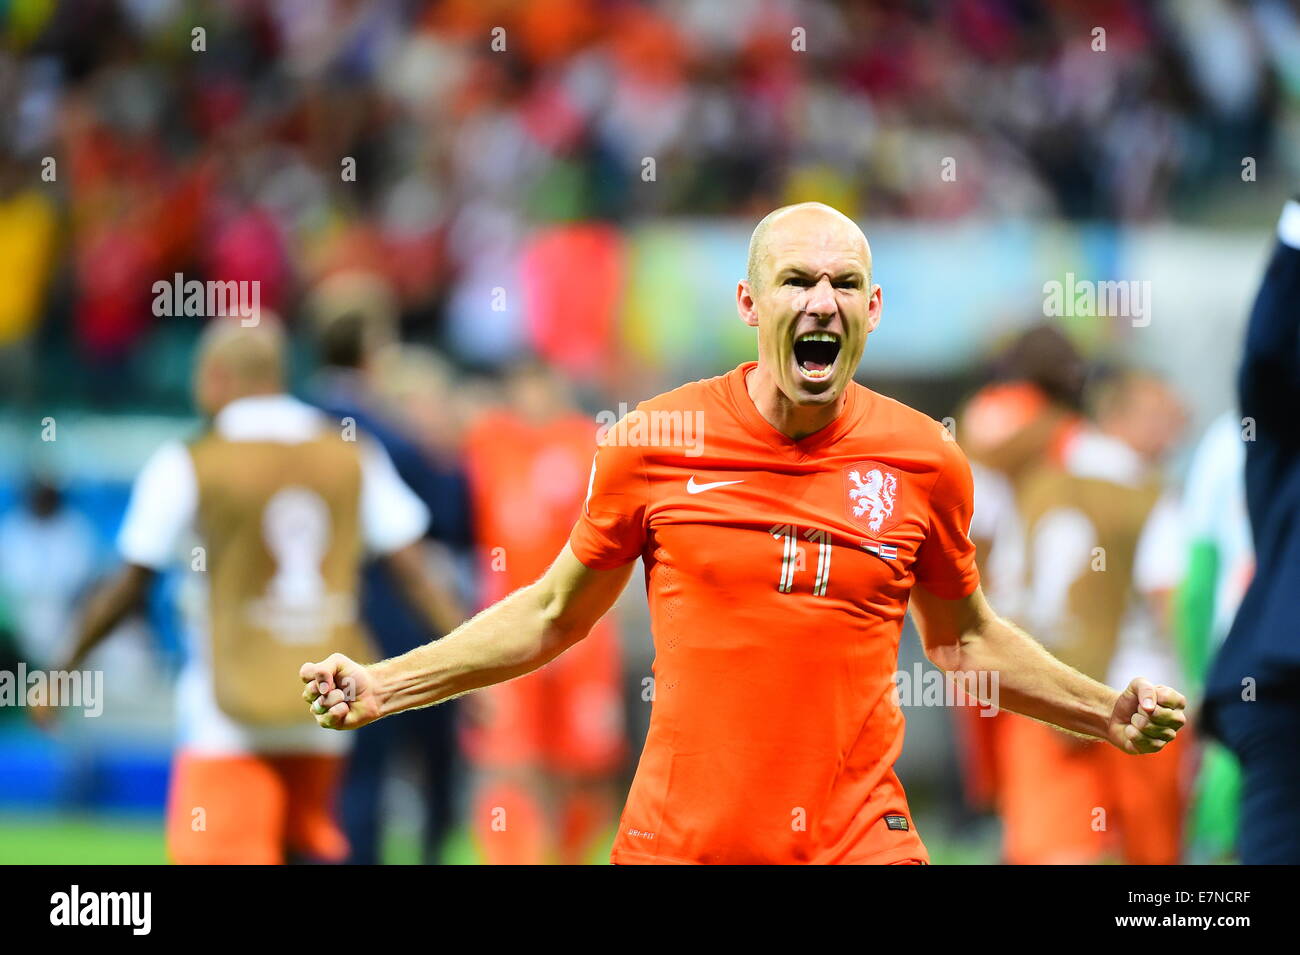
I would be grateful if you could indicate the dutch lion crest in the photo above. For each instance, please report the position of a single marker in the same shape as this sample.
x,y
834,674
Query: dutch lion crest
x,y
872,497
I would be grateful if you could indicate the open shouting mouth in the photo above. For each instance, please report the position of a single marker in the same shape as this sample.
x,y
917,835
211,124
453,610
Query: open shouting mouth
x,y
815,354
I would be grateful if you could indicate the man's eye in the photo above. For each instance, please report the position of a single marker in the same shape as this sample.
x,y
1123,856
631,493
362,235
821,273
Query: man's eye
x,y
795,280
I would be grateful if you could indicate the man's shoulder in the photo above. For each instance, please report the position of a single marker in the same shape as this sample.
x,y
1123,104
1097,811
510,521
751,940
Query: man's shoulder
x,y
692,396
671,424
904,426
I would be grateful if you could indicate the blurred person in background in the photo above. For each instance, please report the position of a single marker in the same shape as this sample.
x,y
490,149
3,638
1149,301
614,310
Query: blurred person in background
x,y
283,508
1032,409
1101,557
354,317
550,744
48,557
1255,677
1023,420
1220,563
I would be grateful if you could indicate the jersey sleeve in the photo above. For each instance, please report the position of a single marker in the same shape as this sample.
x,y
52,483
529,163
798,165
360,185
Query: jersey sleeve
x,y
164,500
945,561
611,529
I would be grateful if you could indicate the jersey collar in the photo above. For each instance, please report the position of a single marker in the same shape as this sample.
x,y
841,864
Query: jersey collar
x,y
268,418
756,424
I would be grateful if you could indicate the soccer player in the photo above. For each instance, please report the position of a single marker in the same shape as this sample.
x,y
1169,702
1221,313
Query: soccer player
x,y
786,516
283,508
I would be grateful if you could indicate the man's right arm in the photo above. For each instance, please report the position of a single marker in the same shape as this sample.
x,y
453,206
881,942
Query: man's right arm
x,y
514,636
111,603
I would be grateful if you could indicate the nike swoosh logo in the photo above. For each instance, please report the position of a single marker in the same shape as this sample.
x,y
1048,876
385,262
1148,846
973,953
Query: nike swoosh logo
x,y
693,488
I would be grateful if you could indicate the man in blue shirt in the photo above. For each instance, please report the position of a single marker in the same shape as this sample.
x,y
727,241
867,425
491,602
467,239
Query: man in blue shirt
x,y
1252,697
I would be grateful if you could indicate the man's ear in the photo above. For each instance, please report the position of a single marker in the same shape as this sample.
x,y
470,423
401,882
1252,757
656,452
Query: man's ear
x,y
745,304
874,308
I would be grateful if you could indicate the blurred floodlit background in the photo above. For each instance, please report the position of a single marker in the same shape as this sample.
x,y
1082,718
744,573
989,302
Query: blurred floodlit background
x,y
583,195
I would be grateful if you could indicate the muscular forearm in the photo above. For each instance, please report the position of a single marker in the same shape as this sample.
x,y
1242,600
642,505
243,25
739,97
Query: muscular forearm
x,y
512,637
508,639
1031,681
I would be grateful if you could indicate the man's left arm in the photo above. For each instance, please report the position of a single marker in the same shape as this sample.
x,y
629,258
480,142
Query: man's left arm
x,y
964,636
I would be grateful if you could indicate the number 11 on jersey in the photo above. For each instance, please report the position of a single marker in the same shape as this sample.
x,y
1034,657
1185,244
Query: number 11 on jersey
x,y
790,557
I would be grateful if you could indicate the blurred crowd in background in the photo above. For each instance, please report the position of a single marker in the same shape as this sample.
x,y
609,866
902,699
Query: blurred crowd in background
x,y
232,161
429,193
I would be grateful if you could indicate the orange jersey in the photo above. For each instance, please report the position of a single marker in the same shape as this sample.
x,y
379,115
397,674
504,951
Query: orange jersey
x,y
778,575
526,481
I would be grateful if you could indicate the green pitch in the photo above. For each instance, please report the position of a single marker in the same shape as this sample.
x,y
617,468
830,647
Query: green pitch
x,y
110,840
66,840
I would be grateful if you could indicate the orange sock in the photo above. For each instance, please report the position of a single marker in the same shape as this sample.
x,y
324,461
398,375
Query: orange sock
x,y
509,825
584,812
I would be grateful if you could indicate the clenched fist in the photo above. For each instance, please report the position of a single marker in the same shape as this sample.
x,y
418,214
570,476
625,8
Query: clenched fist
x,y
341,693
1147,716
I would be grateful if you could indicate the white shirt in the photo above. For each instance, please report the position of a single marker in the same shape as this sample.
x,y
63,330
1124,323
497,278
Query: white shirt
x,y
44,563
160,518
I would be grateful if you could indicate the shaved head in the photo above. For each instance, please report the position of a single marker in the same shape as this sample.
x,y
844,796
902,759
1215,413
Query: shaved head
x,y
795,217
235,361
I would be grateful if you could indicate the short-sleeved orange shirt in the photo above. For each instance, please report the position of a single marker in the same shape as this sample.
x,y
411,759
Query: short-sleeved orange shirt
x,y
778,575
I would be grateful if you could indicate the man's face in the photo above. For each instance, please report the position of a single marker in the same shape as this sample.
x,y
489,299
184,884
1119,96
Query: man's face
x,y
1155,420
813,304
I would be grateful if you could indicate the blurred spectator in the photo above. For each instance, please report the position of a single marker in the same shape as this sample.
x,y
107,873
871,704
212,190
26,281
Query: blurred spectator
x,y
409,139
28,256
48,556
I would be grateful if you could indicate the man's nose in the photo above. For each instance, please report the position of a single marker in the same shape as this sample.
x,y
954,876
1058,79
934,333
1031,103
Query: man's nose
x,y
821,299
